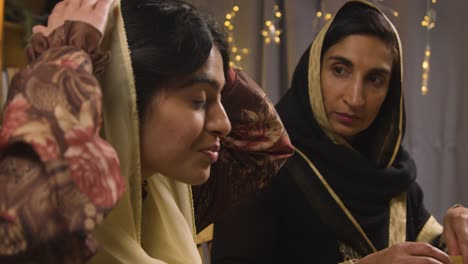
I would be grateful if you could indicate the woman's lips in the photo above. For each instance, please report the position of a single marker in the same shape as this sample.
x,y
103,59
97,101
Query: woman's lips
x,y
212,155
346,118
212,152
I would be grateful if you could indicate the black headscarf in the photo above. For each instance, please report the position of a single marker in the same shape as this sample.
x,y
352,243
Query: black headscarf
x,y
367,175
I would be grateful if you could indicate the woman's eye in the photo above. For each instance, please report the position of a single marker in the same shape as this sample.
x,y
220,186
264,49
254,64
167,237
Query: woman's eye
x,y
338,71
199,104
376,80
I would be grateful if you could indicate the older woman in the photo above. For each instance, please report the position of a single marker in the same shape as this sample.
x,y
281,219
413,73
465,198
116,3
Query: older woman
x,y
349,193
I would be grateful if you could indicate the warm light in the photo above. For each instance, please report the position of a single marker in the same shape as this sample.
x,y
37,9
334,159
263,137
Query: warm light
x,y
245,51
272,28
231,27
425,65
227,23
395,13
278,14
424,90
424,23
276,7
434,1
234,49
228,16
278,32
426,18
425,76
267,40
427,53
264,33
268,23
229,39
319,14
328,16
231,64
277,39
235,8
430,26
238,58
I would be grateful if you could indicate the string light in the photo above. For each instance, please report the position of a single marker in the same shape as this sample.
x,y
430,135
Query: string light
x,y
271,31
236,53
428,22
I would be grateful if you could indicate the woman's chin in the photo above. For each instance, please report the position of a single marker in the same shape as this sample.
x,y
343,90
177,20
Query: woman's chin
x,y
199,179
193,177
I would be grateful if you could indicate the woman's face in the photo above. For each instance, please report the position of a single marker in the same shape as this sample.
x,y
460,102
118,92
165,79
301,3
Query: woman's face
x,y
180,136
355,76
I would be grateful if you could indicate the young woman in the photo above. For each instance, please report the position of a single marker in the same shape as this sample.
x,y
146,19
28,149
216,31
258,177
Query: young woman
x,y
349,193
172,110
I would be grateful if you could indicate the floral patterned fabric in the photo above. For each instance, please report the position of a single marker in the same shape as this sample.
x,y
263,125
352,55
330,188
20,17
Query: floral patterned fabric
x,y
58,178
251,154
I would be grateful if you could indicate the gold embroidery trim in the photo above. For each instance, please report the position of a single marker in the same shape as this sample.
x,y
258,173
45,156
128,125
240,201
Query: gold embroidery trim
x,y
337,199
430,231
397,225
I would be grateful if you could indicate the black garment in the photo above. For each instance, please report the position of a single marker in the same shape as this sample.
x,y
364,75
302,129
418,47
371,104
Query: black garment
x,y
331,201
280,226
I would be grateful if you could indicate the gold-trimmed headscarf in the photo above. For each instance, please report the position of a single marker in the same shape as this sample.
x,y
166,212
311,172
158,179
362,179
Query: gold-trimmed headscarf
x,y
362,185
161,228
390,137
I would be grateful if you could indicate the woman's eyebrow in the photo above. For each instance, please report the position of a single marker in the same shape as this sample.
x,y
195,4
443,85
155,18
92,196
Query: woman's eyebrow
x,y
342,59
203,79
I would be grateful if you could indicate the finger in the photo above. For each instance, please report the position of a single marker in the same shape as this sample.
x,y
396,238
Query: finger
x,y
103,6
88,3
59,7
422,260
71,8
426,250
460,231
451,241
54,20
73,4
463,247
426,260
39,29
56,16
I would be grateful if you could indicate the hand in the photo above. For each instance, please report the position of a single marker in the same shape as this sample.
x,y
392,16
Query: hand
x,y
93,12
408,252
456,232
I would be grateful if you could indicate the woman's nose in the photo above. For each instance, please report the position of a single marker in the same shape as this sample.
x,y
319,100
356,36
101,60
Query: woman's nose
x,y
354,96
218,123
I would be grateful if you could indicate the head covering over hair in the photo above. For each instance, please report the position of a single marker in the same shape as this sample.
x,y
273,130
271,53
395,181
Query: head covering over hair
x,y
362,178
161,229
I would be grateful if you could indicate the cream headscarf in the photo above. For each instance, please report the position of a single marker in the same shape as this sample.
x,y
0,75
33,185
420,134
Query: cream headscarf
x,y
161,229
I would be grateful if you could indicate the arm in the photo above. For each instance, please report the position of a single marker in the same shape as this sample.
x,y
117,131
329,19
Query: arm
x,y
251,154
58,178
421,228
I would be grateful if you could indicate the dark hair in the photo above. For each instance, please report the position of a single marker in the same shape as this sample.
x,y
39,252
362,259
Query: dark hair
x,y
358,18
167,39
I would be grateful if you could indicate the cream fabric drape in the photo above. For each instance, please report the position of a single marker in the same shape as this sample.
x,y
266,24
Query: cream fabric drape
x,y
160,230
